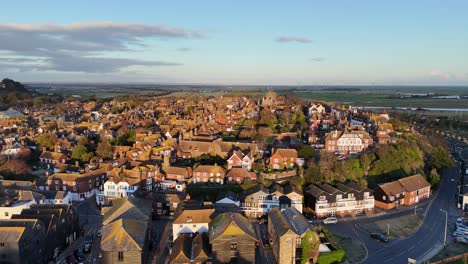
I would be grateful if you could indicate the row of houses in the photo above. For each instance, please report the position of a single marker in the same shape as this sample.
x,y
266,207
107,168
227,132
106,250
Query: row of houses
x,y
230,237
38,234
349,199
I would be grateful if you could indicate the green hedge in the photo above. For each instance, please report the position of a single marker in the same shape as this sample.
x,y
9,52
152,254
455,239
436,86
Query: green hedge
x,y
332,257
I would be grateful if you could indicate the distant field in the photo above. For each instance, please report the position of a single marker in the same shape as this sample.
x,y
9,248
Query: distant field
x,y
380,99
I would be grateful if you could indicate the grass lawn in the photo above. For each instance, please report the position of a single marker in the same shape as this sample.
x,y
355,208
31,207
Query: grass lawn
x,y
449,251
355,251
402,226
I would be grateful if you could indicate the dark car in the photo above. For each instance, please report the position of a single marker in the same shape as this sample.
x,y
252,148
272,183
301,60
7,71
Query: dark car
x,y
89,239
71,260
87,247
379,237
79,255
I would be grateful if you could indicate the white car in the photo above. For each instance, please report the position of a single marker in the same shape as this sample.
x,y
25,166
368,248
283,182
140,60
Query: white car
x,y
330,220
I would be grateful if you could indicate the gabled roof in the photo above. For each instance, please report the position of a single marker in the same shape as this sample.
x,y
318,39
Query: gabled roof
x,y
124,235
127,207
413,183
11,233
188,247
407,184
194,216
230,224
287,153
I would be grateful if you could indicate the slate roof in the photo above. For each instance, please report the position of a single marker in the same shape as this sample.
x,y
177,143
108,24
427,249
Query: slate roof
x,y
127,207
124,235
230,224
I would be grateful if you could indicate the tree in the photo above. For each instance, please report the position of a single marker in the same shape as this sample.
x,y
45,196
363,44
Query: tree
x,y
46,141
80,153
434,178
440,158
104,149
306,152
312,175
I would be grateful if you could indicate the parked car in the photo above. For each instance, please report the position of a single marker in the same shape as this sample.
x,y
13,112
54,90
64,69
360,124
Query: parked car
x,y
461,240
71,260
79,255
330,220
379,237
87,247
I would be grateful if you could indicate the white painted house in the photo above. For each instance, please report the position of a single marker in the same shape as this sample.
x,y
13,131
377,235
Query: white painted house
x,y
192,221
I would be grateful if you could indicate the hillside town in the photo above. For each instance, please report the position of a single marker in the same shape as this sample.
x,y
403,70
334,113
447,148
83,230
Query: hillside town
x,y
227,179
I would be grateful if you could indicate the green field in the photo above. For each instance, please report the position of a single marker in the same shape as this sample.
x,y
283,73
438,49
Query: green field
x,y
381,99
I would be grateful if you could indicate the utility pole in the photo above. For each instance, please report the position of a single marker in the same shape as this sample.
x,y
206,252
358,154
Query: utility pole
x,y
415,207
445,236
388,229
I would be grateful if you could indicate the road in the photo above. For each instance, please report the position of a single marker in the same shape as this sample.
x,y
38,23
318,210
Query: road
x,y
263,254
427,239
90,222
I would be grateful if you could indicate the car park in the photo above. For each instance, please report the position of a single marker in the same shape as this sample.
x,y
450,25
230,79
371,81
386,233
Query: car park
x,y
379,237
330,220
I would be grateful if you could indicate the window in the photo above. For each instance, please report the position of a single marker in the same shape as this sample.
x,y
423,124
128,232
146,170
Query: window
x,y
384,198
121,256
194,226
6,214
2,244
233,245
350,195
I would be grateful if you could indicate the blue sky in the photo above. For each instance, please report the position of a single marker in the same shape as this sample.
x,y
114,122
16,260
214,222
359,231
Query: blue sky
x,y
240,42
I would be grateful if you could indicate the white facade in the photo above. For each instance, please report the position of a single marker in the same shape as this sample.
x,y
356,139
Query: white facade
x,y
67,199
465,202
112,189
343,206
264,205
188,228
7,211
350,142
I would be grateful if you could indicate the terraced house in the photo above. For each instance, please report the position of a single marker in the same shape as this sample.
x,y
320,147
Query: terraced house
x,y
206,173
348,199
81,186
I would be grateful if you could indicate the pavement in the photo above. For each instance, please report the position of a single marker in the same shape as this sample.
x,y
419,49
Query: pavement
x,y
425,242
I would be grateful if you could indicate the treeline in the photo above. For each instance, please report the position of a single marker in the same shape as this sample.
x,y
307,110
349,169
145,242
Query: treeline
x,y
415,154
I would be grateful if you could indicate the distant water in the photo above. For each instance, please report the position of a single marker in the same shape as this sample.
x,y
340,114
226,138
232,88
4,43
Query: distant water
x,y
414,108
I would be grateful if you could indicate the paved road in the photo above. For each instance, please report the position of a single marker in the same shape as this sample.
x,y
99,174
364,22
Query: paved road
x,y
90,222
428,238
263,254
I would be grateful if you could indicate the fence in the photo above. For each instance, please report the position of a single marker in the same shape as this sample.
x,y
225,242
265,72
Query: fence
x,y
463,257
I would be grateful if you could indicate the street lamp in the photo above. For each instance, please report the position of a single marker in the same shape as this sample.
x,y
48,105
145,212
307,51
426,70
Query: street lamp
x,y
445,237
